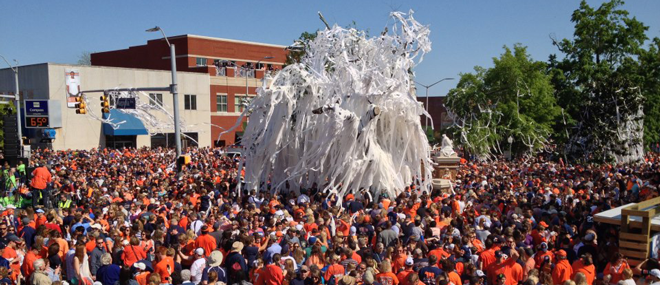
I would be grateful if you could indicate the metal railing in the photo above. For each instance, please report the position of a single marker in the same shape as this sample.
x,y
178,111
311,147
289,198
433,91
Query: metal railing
x,y
220,71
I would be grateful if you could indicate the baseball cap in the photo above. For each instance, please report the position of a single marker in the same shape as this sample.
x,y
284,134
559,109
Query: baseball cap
x,y
140,265
41,211
655,273
199,251
480,273
409,261
561,252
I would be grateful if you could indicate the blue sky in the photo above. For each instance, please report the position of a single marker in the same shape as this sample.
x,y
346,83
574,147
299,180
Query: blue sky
x,y
465,33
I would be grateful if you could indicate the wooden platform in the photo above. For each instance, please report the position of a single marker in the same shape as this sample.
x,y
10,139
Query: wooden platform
x,y
613,217
638,222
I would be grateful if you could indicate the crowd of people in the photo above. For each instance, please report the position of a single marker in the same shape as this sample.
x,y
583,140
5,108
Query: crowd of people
x,y
127,217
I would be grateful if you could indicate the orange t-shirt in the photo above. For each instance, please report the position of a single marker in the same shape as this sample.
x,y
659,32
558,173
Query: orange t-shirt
x,y
142,278
387,278
335,270
503,268
28,263
454,278
206,242
616,272
163,269
402,276
487,258
132,254
399,262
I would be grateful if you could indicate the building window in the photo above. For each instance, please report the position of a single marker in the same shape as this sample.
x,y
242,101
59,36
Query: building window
x,y
201,61
241,102
221,103
155,99
190,102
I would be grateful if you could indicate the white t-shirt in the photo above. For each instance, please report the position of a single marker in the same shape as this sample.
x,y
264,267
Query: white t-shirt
x,y
627,282
197,269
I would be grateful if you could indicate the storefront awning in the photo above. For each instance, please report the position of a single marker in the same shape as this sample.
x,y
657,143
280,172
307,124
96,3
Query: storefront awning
x,y
131,125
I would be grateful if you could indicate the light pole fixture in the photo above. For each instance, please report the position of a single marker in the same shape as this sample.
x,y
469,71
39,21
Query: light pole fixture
x,y
510,141
17,101
173,90
426,125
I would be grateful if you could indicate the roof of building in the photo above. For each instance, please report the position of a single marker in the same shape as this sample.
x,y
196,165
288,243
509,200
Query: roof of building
x,y
226,40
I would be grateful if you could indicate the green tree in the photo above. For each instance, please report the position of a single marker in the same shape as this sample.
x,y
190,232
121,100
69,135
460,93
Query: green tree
x,y
5,109
650,61
84,58
296,54
599,84
513,99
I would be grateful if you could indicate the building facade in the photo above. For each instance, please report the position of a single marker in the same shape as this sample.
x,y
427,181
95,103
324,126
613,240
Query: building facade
x,y
83,131
438,112
235,69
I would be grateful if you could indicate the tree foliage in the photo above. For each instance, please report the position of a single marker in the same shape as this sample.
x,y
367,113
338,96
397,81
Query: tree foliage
x,y
599,83
513,99
85,58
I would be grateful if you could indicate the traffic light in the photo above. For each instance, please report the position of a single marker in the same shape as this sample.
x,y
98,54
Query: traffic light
x,y
181,161
81,107
105,103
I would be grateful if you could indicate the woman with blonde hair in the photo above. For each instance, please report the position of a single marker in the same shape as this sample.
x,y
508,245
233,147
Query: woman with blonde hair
x,y
627,277
580,279
289,272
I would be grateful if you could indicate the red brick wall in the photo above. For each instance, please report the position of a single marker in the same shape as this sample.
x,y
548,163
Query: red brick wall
x,y
437,111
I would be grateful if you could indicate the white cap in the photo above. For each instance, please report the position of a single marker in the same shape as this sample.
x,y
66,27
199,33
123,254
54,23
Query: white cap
x,y
199,251
480,273
140,265
655,273
125,242
409,261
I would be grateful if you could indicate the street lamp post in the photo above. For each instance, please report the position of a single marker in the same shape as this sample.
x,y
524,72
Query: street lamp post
x,y
174,91
510,141
426,125
17,101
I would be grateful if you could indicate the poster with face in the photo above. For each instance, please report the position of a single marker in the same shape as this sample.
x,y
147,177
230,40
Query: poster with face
x,y
72,87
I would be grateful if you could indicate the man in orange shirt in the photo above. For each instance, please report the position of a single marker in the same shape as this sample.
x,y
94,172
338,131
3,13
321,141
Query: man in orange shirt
x,y
28,261
205,241
163,267
40,178
562,270
541,254
503,265
585,265
403,274
487,257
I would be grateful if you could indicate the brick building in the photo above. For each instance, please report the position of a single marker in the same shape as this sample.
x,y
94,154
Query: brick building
x,y
232,66
437,111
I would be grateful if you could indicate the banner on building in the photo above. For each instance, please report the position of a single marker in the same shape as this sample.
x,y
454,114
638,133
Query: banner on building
x,y
72,87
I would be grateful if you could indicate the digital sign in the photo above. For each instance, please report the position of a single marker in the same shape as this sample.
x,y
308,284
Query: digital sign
x,y
42,113
37,122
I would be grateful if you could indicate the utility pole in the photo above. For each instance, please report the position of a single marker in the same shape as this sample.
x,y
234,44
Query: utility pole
x,y
174,91
17,102
426,106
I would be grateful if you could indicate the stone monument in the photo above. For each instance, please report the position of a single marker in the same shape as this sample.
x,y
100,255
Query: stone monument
x,y
445,167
